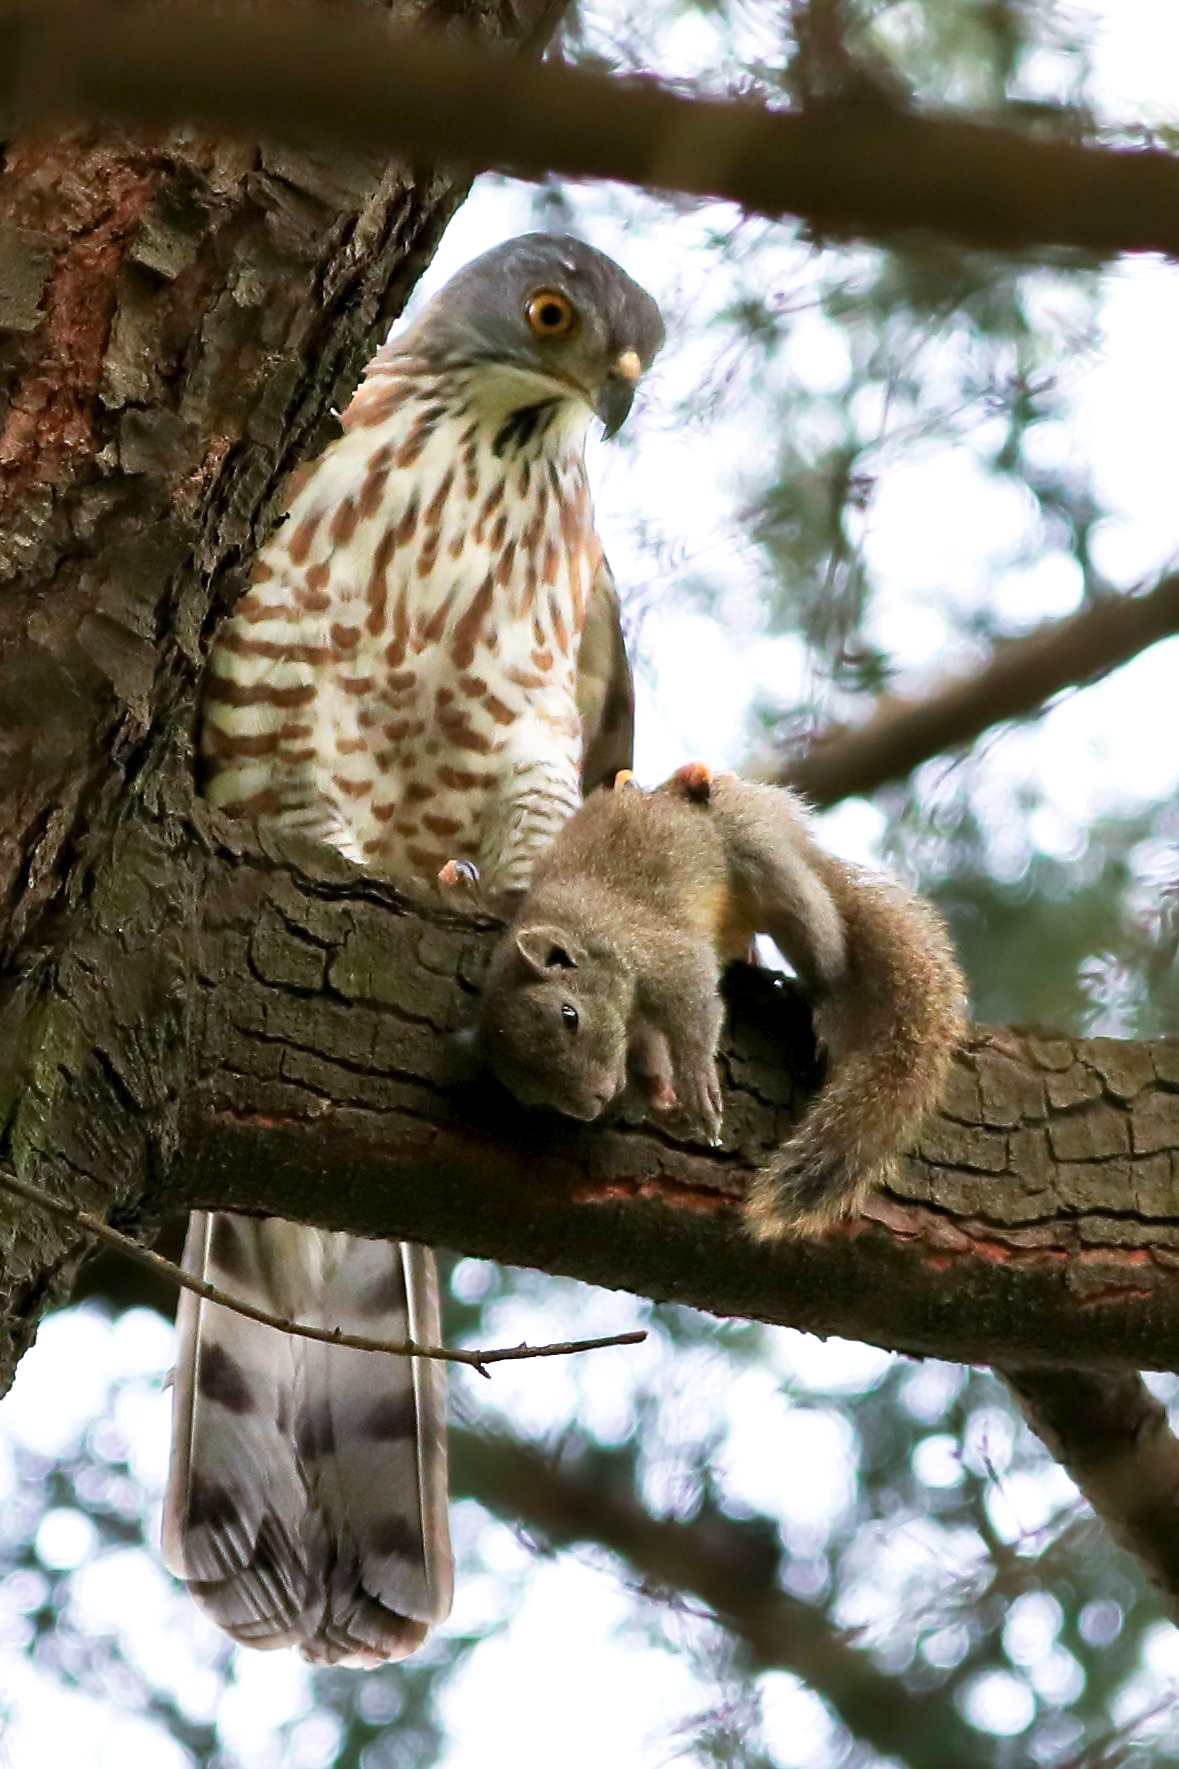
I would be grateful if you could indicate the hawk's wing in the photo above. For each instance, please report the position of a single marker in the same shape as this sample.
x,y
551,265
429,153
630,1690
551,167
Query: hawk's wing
x,y
605,690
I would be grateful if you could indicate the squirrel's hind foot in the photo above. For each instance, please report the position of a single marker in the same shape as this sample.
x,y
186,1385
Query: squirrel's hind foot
x,y
694,781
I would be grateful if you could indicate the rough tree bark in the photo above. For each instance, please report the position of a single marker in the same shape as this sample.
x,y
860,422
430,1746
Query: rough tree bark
x,y
179,315
184,1022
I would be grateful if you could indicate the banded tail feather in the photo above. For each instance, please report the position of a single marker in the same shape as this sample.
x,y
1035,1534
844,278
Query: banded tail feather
x,y
306,1501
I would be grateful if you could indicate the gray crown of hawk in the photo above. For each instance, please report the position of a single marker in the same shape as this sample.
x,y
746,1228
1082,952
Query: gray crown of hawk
x,y
482,316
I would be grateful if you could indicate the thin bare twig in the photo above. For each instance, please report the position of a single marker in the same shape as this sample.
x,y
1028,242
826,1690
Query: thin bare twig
x,y
475,1360
328,79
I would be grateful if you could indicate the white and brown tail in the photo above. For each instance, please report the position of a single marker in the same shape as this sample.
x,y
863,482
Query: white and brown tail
x,y
890,1017
306,1501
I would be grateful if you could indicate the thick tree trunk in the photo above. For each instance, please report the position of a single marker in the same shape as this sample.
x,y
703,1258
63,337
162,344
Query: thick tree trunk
x,y
179,315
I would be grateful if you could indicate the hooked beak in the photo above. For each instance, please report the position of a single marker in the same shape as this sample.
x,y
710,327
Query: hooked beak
x,y
617,392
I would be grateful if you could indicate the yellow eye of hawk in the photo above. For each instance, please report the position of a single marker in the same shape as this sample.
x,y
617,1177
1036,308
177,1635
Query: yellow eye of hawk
x,y
551,314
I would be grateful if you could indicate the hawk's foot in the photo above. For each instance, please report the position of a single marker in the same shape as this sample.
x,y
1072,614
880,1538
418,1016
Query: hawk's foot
x,y
459,875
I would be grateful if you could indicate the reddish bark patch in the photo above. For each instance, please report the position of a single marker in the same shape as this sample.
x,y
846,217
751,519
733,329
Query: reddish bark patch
x,y
55,413
675,1196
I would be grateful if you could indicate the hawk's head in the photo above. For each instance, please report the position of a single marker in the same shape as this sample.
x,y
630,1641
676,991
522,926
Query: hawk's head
x,y
548,317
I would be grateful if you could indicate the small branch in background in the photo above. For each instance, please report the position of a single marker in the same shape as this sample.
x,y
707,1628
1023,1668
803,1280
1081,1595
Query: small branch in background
x,y
330,79
822,66
831,59
1111,1435
166,1268
732,1568
1021,677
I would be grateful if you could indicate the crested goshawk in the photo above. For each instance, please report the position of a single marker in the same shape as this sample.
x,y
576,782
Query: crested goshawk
x,y
428,665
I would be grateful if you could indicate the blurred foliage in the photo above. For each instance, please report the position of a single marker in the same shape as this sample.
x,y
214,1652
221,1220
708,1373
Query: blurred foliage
x,y
828,374
944,348
1082,941
954,1559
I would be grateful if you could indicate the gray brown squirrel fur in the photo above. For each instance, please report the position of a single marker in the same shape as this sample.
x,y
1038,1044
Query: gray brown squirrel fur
x,y
606,982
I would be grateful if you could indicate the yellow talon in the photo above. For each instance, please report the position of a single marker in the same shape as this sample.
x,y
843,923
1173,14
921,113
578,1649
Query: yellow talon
x,y
457,874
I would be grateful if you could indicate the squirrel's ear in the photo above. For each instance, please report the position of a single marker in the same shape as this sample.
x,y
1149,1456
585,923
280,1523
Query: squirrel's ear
x,y
543,949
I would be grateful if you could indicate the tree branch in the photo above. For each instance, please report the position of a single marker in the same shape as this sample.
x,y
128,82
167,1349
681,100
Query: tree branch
x,y
732,1566
1021,676
1035,1224
329,78
1112,1436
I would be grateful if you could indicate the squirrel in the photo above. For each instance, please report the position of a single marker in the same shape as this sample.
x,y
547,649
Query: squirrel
x,y
606,982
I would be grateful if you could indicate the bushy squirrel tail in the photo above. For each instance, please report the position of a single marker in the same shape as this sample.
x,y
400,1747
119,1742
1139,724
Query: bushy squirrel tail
x,y
890,1022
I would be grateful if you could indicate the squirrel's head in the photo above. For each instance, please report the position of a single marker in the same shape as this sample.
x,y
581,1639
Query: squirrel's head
x,y
553,1025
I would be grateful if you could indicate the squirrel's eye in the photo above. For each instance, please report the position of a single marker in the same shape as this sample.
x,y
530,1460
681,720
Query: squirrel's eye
x,y
569,1016
551,314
